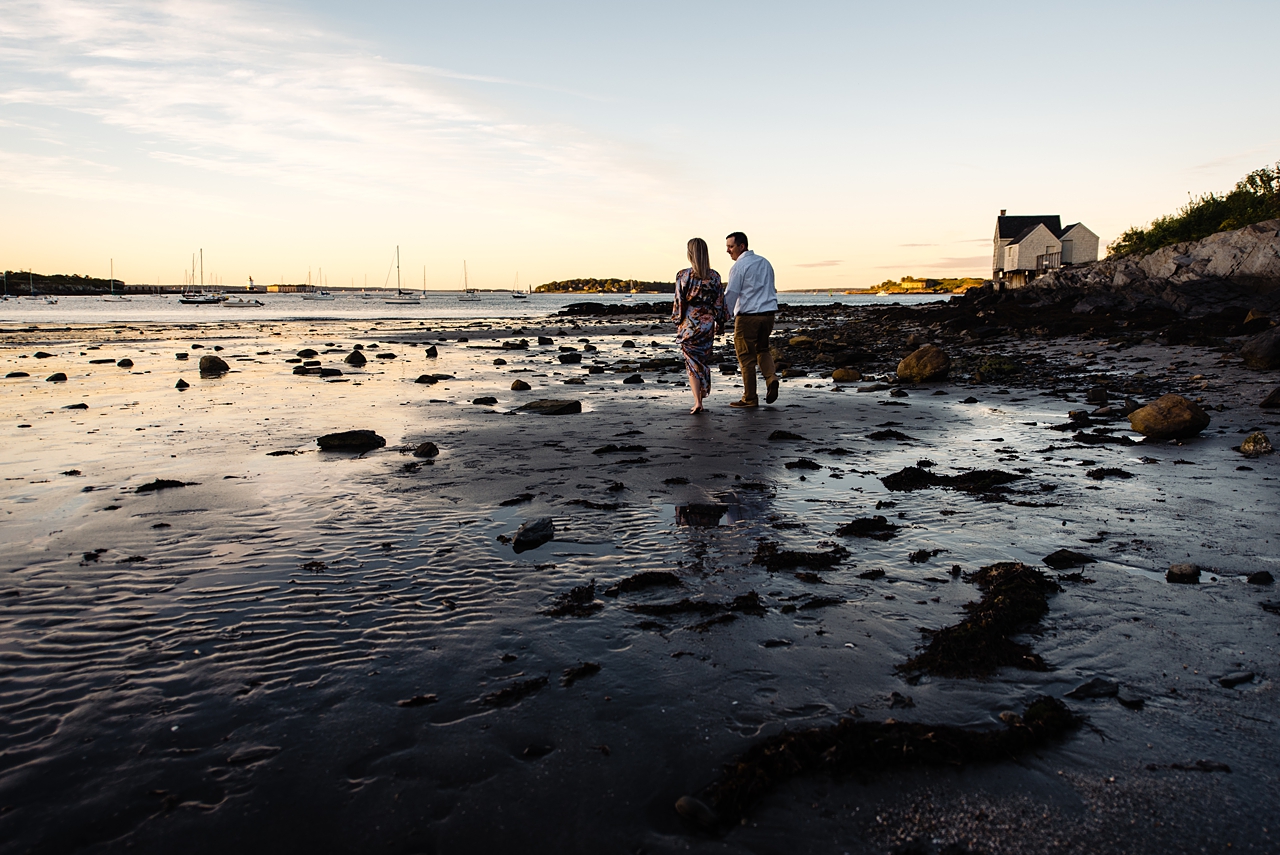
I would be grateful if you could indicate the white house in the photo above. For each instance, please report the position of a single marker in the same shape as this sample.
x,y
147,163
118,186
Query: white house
x,y
1027,246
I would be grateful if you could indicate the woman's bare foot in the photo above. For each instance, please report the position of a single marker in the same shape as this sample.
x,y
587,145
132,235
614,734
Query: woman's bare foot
x,y
697,408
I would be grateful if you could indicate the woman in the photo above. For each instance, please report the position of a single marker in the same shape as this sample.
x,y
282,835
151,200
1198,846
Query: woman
x,y
699,310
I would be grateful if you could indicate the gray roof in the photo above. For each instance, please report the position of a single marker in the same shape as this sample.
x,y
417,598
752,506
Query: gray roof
x,y
1014,229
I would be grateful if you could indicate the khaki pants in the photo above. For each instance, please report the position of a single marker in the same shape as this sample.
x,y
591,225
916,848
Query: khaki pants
x,y
751,342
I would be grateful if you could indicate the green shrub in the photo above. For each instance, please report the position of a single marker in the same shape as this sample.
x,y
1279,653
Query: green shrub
x,y
1256,197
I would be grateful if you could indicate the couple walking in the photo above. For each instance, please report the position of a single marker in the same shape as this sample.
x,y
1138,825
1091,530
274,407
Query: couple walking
x,y
702,306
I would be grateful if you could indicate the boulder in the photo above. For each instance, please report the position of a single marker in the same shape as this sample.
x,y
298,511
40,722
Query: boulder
x,y
846,375
1262,577
1262,351
570,358
1169,417
800,341
351,440
1183,574
355,358
307,353
1256,444
551,407
927,363
628,343
499,361
520,386
544,340
181,384
533,533
431,352
125,363
426,449
56,377
1272,401
212,366
633,380
485,400
426,379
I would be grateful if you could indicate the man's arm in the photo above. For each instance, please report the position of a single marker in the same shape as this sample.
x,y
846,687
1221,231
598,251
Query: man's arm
x,y
734,290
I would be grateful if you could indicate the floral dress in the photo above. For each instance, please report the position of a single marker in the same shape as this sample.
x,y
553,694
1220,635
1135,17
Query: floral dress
x,y
700,311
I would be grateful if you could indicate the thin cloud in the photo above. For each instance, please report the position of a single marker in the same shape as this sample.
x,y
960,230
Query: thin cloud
x,y
973,262
917,244
269,97
821,263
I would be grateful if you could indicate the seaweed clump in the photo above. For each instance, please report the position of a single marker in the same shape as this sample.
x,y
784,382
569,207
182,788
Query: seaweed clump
x,y
578,602
774,559
1014,599
853,745
976,481
876,528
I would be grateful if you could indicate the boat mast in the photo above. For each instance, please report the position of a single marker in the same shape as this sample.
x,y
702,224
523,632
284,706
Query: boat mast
x,y
113,277
397,270
202,268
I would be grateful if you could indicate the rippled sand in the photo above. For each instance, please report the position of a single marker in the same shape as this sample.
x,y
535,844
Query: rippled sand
x,y
221,664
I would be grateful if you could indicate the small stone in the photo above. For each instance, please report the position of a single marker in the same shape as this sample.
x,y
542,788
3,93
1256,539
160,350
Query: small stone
x,y
307,353
1262,577
801,341
1095,687
125,363
533,533
1272,401
56,377
633,379
431,352
570,358
485,400
1230,681
40,354
1169,417
426,449
1183,574
499,361
387,355
426,379
696,812
628,343
520,386
181,384
846,375
1256,444
1096,395
212,366
181,356
544,340
355,358
17,374
926,364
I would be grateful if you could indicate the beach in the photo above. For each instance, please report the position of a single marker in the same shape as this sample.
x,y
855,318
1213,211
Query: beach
x,y
283,647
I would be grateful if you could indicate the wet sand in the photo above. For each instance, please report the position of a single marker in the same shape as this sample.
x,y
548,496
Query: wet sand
x,y
224,663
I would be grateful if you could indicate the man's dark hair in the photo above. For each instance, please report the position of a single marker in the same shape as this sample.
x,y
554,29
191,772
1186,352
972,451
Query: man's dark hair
x,y
738,238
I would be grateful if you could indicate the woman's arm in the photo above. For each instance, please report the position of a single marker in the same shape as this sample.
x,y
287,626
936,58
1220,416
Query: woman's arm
x,y
677,304
721,311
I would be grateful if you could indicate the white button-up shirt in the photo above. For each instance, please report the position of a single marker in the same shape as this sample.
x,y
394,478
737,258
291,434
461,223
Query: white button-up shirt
x,y
751,290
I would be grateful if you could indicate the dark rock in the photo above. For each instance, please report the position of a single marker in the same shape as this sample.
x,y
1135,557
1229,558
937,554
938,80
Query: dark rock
x,y
355,358
1262,577
351,440
56,377
431,352
1169,417
40,354
426,449
386,355
643,581
846,375
875,528
1096,395
212,366
1262,351
17,374
1064,558
80,406
125,363
551,407
926,364
181,384
1272,401
633,379
571,675
426,379
520,386
499,361
417,701
1183,574
181,356
162,484
1095,687
570,358
542,339
628,343
1108,472
785,436
485,400
330,372
1230,681
307,353
513,693
533,533
803,463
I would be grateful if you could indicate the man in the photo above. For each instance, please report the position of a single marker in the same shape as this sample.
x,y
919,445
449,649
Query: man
x,y
752,299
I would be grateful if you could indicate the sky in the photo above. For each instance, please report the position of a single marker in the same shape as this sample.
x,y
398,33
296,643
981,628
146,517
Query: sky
x,y
853,142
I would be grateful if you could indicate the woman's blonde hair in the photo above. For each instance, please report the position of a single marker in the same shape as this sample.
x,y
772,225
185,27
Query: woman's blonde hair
x,y
699,258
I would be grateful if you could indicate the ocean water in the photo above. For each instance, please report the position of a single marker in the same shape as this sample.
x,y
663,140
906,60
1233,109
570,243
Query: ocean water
x,y
148,308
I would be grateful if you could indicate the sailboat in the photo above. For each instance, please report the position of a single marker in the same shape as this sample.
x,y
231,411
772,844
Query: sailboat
x,y
517,294
468,294
113,297
402,298
201,297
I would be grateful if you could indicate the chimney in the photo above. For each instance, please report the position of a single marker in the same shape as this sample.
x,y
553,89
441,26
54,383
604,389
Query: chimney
x,y
1002,210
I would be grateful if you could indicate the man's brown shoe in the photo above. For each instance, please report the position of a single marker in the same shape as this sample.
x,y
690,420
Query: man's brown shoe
x,y
744,405
771,391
